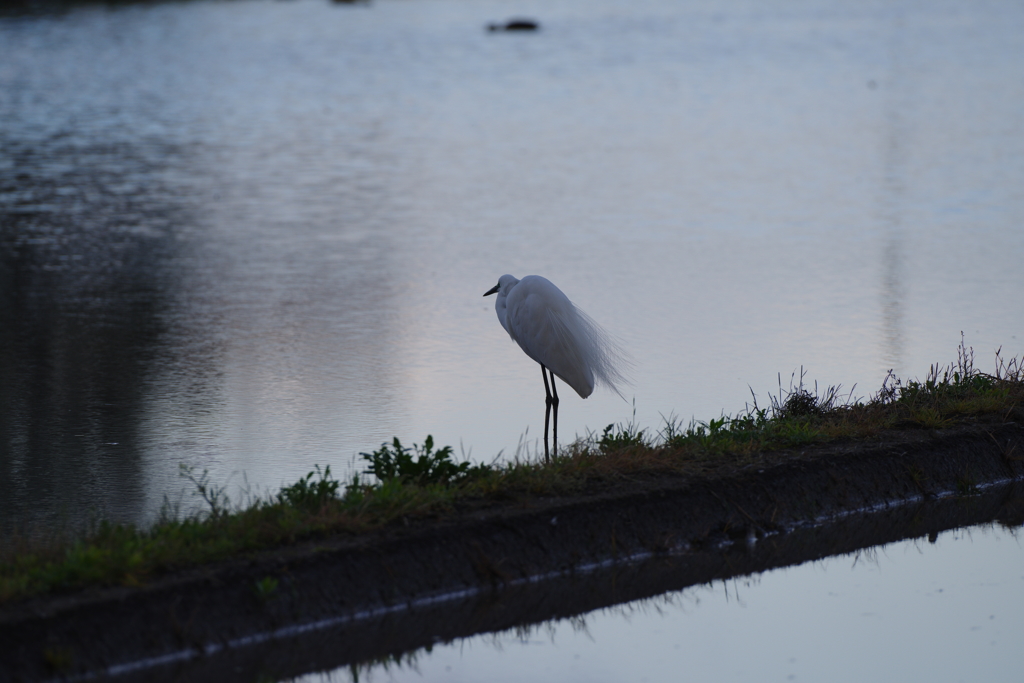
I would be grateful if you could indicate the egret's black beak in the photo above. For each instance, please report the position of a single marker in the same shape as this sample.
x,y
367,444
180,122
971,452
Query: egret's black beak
x,y
492,290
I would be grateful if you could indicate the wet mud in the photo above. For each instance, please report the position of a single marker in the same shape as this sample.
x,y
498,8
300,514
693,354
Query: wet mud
x,y
344,601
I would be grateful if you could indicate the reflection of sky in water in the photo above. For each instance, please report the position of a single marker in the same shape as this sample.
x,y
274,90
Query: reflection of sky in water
x,y
909,611
254,236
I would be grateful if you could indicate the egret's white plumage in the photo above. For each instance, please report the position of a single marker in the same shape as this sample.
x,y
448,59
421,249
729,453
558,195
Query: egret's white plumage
x,y
566,342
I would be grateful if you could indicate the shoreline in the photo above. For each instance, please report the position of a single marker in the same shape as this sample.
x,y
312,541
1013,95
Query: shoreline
x,y
482,551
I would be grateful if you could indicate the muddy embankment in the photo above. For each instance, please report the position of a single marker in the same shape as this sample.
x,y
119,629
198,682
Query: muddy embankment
x,y
348,600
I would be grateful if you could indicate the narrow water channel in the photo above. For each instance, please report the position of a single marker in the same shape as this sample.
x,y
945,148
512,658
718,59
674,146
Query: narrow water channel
x,y
951,609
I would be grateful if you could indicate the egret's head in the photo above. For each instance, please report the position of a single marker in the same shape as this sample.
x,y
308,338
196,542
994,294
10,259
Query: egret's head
x,y
505,283
504,286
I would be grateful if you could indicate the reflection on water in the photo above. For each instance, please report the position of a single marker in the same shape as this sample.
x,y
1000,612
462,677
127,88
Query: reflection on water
x,y
82,305
897,107
944,611
252,236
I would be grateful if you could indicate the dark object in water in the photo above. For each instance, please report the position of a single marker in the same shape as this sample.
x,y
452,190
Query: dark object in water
x,y
515,25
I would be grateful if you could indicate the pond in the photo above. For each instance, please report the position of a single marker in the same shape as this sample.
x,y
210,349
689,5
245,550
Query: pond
x,y
253,236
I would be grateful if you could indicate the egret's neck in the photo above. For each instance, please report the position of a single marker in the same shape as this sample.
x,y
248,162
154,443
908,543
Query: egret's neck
x,y
500,302
505,285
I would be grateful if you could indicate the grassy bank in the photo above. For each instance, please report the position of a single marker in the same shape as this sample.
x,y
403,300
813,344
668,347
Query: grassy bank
x,y
401,485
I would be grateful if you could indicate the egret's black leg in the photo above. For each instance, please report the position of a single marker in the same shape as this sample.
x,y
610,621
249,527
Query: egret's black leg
x,y
554,402
547,409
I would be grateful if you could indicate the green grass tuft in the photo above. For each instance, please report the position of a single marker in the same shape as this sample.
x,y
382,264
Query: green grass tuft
x,y
396,463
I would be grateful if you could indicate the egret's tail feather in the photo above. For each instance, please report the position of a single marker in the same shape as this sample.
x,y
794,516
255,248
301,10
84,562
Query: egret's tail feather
x,y
591,347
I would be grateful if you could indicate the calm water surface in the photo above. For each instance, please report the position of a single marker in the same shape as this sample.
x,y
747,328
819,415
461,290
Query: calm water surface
x,y
910,611
253,236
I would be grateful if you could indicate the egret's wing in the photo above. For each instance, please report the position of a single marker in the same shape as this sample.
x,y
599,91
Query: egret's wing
x,y
572,362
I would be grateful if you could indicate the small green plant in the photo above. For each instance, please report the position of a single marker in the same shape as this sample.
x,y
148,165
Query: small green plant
x,y
266,588
722,434
625,436
927,417
613,439
917,474
800,402
310,495
966,485
420,464
950,385
215,496
58,659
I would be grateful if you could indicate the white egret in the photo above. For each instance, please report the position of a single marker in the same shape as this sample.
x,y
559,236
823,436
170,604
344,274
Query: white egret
x,y
566,342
